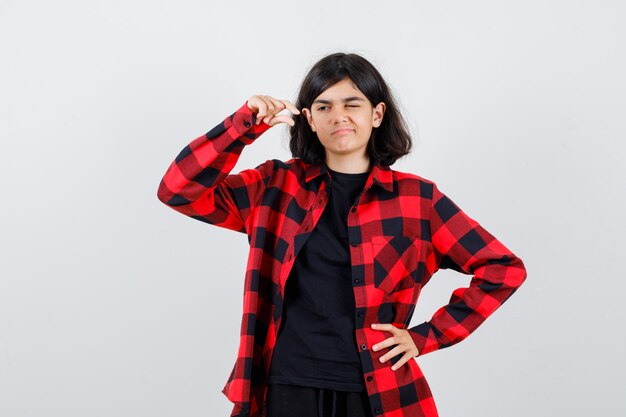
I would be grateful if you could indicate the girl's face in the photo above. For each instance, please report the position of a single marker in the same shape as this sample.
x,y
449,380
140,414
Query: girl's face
x,y
343,119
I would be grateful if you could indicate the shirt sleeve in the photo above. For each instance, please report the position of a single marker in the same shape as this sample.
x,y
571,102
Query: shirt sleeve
x,y
460,243
198,182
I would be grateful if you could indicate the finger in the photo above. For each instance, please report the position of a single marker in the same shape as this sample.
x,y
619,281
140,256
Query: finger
x,y
281,119
252,103
390,341
392,353
290,106
385,326
290,116
262,111
278,104
404,359
271,107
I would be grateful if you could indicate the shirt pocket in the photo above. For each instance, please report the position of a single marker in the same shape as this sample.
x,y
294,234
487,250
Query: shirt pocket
x,y
394,262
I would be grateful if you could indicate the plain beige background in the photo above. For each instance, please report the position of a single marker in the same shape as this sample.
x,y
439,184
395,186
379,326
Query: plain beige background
x,y
112,304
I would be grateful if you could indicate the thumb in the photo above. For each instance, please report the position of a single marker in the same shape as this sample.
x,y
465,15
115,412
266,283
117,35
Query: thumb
x,y
280,119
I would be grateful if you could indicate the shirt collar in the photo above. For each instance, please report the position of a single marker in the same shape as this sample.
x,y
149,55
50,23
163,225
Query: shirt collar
x,y
380,175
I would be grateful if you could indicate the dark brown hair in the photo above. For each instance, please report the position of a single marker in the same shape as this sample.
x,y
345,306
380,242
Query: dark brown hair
x,y
388,142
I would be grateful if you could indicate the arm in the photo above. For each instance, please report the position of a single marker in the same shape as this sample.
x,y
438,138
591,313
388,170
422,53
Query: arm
x,y
460,243
197,183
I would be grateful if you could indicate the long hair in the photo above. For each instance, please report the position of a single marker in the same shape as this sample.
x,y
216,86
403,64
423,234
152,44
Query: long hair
x,y
388,142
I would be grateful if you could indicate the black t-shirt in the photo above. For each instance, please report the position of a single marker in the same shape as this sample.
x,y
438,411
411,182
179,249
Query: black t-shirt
x,y
316,345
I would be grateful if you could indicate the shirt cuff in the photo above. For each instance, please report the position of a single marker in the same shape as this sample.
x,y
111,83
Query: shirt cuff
x,y
425,338
244,123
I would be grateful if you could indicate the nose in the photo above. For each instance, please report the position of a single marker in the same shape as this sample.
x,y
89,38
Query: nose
x,y
339,115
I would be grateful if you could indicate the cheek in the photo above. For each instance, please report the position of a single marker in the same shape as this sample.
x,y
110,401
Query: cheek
x,y
320,119
362,119
366,123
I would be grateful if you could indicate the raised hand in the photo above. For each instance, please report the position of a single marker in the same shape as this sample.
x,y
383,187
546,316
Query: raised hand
x,y
267,108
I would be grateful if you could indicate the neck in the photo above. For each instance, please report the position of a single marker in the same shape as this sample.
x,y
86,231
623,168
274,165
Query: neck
x,y
348,165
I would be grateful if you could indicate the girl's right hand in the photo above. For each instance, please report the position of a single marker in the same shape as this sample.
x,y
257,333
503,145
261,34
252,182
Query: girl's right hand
x,y
267,109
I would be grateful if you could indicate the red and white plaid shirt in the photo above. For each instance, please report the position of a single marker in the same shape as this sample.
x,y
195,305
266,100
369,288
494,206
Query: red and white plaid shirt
x,y
401,231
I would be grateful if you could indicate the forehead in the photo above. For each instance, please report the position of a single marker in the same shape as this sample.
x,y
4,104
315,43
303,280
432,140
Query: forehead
x,y
340,91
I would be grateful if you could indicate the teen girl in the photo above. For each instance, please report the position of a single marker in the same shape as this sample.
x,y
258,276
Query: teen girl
x,y
340,247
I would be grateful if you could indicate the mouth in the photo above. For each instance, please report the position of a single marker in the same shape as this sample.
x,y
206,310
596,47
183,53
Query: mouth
x,y
342,131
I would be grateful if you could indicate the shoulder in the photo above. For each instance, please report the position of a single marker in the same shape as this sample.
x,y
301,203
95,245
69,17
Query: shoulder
x,y
409,176
278,171
276,165
408,181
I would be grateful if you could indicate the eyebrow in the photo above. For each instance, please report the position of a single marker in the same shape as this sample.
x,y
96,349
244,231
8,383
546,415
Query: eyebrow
x,y
345,100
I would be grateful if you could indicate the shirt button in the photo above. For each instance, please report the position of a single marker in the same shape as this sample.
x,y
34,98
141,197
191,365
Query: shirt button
x,y
353,244
360,314
369,378
363,346
246,123
377,411
356,281
353,210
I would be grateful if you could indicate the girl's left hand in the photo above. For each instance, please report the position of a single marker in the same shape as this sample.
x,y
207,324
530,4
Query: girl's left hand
x,y
399,337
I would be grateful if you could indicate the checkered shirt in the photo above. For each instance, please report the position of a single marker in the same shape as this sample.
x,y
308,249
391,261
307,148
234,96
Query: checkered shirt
x,y
401,230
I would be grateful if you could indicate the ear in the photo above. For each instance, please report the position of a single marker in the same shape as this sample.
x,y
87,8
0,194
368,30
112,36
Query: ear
x,y
309,117
377,114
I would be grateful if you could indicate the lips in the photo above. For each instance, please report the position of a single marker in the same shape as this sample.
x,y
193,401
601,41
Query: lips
x,y
342,131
